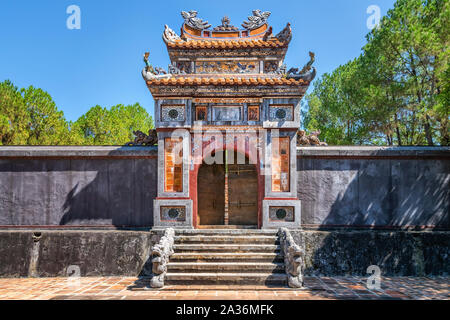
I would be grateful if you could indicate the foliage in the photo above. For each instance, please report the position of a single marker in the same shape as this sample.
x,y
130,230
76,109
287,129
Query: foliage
x,y
31,117
14,118
397,91
100,126
47,124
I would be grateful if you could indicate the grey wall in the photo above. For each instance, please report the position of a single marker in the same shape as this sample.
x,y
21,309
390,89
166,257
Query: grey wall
x,y
95,253
351,186
77,186
374,186
127,253
396,253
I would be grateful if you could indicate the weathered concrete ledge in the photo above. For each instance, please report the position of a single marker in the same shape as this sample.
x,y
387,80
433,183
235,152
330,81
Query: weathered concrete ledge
x,y
124,151
397,253
78,152
374,152
96,253
44,253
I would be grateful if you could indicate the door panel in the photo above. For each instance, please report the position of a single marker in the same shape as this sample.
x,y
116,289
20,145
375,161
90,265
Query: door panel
x,y
243,194
211,197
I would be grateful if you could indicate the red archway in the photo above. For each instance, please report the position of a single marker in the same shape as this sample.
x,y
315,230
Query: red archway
x,y
193,176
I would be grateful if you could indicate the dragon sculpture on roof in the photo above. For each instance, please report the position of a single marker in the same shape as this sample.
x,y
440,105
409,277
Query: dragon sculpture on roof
x,y
190,18
308,73
257,20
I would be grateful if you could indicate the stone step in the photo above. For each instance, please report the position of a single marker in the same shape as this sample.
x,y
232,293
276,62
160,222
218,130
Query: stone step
x,y
228,232
225,278
223,267
227,257
232,248
226,239
221,227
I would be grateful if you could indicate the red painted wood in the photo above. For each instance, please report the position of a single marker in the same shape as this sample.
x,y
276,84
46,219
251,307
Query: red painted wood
x,y
193,176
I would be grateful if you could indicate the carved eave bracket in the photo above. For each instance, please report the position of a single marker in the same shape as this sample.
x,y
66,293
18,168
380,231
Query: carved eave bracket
x,y
285,35
151,73
307,74
170,36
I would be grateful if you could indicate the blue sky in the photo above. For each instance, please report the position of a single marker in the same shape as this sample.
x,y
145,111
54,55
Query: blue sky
x,y
101,62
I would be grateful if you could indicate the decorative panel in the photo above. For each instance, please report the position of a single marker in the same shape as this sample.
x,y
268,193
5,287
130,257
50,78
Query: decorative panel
x,y
280,164
201,113
184,66
253,113
173,165
281,112
281,214
232,66
227,113
172,113
271,67
177,214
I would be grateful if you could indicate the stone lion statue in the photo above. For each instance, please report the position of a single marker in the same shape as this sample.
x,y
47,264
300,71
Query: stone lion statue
x,y
144,140
160,254
310,140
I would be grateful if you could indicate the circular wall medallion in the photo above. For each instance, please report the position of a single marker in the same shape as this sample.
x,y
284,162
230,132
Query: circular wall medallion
x,y
280,114
281,214
173,114
173,213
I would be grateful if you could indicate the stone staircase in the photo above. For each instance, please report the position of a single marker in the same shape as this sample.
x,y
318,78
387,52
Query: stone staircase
x,y
226,257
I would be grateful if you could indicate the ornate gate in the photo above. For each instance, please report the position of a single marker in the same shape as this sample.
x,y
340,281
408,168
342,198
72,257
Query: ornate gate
x,y
242,194
211,197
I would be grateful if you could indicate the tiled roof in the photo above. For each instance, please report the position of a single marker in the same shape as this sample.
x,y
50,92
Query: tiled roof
x,y
190,81
226,44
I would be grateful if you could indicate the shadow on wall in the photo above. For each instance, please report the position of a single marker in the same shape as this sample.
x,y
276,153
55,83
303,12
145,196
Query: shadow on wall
x,y
375,192
121,194
93,189
371,192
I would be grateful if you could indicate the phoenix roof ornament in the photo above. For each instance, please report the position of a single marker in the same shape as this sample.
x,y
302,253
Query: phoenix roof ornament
x,y
190,18
257,20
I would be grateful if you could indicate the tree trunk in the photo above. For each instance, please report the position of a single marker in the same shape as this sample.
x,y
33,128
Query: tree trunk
x,y
445,136
397,130
428,133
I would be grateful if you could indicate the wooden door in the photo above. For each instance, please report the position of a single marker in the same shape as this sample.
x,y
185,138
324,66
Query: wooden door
x,y
211,197
243,194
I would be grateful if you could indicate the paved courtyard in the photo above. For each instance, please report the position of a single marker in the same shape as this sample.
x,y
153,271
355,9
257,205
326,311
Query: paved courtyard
x,y
316,288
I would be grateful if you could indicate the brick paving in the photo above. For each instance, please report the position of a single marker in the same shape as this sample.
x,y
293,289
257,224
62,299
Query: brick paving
x,y
316,288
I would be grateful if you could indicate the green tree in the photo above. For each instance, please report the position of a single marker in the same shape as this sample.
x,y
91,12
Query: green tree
x,y
14,118
100,126
47,124
397,91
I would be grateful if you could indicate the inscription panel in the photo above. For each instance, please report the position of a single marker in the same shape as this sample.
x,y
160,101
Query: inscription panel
x,y
280,164
227,113
173,165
